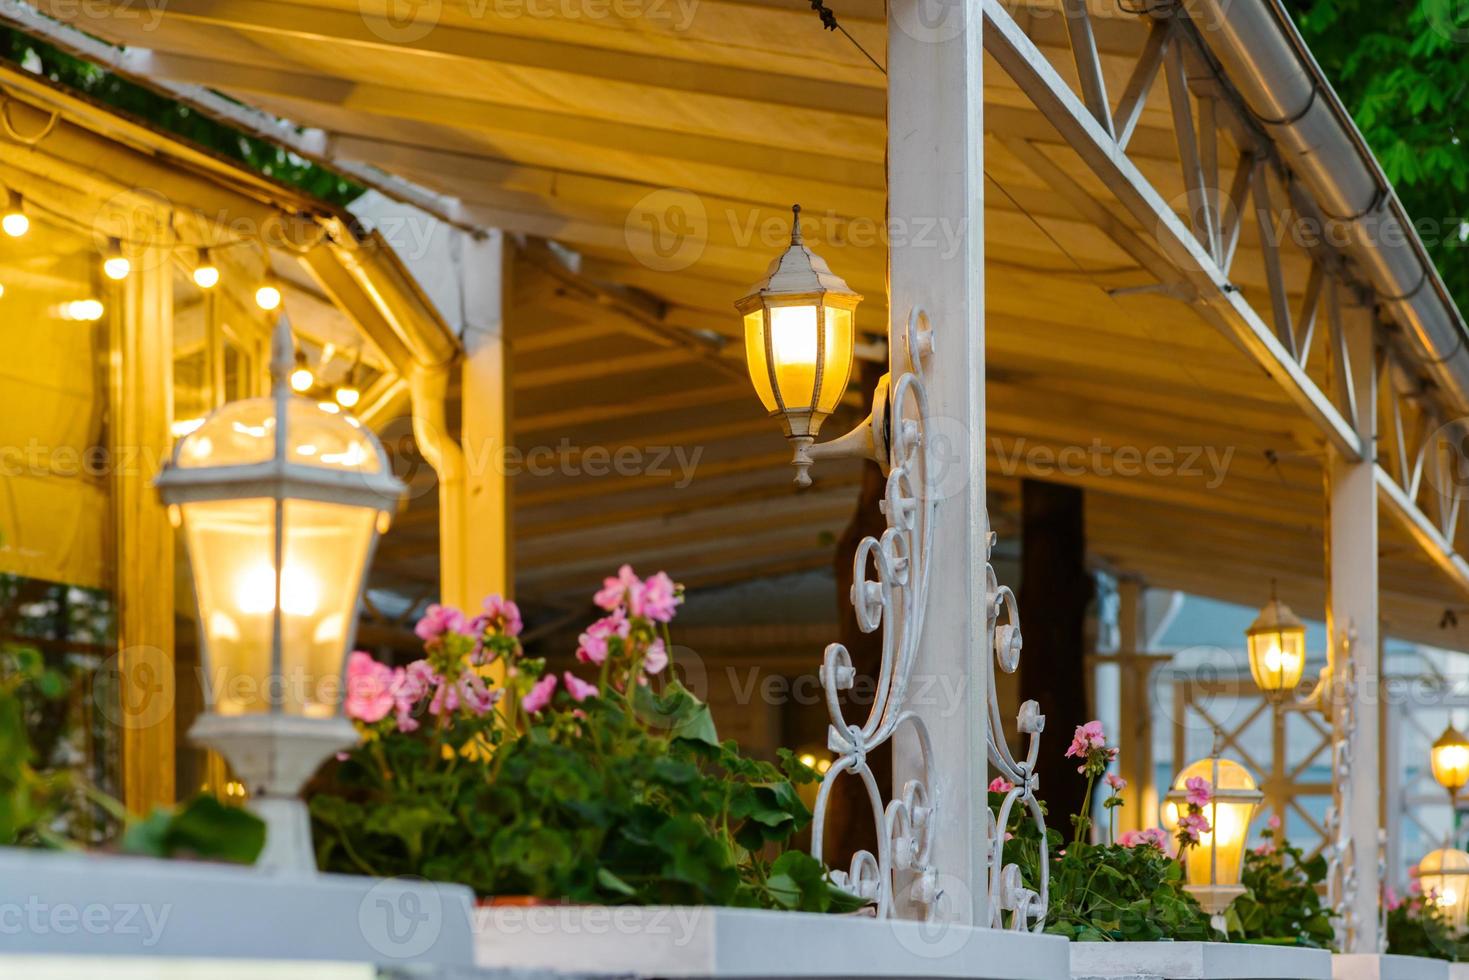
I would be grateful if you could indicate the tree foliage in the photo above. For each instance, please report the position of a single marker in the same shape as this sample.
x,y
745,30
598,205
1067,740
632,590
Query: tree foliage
x,y
1402,68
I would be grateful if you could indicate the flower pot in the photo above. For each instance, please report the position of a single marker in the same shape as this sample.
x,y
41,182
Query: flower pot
x,y
1198,961
1387,966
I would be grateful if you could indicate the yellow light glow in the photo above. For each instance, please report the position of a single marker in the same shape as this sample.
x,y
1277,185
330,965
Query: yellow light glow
x,y
348,396
331,408
15,223
116,268
1217,860
206,276
268,297
1449,759
81,310
808,760
302,379
1276,643
183,427
255,591
1444,875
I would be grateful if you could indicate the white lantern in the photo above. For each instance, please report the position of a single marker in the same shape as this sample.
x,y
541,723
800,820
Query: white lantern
x,y
1215,865
280,505
1444,876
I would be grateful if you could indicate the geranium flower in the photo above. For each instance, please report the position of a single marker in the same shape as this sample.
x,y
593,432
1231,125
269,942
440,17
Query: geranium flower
x,y
410,684
502,614
439,620
656,658
1089,736
656,599
579,689
537,699
1115,781
1274,822
1199,791
1193,825
369,688
1001,785
1151,837
617,590
592,645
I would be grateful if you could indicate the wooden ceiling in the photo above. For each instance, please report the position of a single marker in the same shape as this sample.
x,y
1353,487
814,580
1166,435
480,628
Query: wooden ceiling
x,y
661,152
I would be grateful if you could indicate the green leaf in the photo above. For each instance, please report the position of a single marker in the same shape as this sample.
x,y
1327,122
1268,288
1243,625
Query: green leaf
x,y
203,828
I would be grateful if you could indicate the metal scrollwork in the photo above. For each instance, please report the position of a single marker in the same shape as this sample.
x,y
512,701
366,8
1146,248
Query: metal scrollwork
x,y
889,592
1341,876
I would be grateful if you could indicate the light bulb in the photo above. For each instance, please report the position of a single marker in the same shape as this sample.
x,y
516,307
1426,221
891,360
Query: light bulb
x,y
116,265
206,275
15,223
348,396
85,310
302,379
331,408
255,591
268,296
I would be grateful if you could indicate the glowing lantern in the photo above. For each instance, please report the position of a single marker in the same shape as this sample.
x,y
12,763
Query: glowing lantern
x,y
1277,646
1450,760
1444,876
799,336
1215,864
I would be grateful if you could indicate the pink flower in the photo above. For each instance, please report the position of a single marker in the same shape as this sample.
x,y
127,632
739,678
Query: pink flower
x,y
1193,825
410,684
1266,849
369,688
579,689
656,599
1199,791
1274,822
501,614
539,696
1151,837
1089,736
1115,781
1391,899
438,621
592,645
1001,785
656,658
617,590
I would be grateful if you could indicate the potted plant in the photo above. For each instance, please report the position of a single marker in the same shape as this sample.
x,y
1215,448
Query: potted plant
x,y
604,785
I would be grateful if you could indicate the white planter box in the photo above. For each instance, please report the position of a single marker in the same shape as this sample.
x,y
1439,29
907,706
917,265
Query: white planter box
x,y
105,905
1374,966
1197,961
680,941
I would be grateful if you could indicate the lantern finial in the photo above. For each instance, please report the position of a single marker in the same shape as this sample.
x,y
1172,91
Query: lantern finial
x,y
282,355
796,225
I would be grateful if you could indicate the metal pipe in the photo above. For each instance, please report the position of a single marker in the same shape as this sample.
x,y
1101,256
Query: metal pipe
x,y
1267,62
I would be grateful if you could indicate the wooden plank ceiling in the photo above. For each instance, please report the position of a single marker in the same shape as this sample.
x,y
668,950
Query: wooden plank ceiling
x,y
608,134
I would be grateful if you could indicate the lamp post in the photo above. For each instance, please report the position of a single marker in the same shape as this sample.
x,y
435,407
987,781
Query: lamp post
x,y
280,505
1215,865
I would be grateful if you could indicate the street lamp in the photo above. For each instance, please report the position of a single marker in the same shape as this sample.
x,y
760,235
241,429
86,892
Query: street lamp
x,y
799,336
1277,646
1215,865
280,505
1444,875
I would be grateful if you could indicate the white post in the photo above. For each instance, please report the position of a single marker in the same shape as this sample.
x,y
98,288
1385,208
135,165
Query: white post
x,y
936,262
1352,617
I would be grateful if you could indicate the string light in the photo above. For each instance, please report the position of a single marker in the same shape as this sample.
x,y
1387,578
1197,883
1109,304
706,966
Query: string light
x,y
268,296
331,408
347,393
115,265
15,223
81,310
206,273
301,378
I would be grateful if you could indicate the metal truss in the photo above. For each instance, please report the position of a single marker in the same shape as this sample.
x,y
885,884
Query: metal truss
x,y
1192,253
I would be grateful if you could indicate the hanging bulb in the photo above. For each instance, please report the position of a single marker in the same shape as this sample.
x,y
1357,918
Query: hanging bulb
x,y
268,296
206,273
347,393
331,408
301,378
15,221
115,265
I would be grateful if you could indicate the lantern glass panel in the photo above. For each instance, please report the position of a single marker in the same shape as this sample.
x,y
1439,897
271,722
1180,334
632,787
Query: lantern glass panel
x,y
232,550
793,343
1278,658
838,358
755,358
1449,758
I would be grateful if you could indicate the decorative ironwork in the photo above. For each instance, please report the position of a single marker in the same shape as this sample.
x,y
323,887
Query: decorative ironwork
x,y
890,591
1341,878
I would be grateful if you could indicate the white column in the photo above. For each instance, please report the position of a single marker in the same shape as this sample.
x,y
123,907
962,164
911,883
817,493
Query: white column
x,y
1352,607
936,222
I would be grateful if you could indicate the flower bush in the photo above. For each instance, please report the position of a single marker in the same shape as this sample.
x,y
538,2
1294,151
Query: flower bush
x,y
1281,905
1417,926
1129,889
608,790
